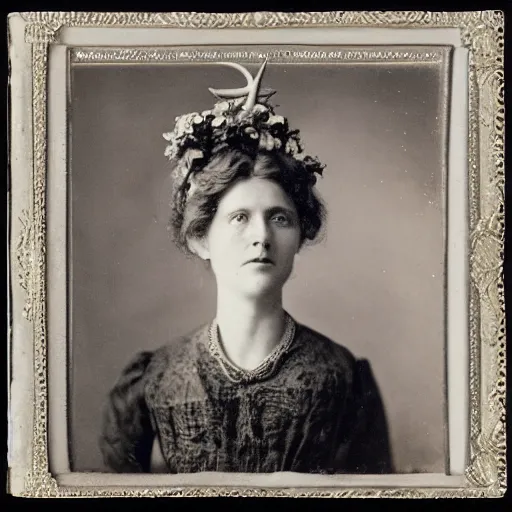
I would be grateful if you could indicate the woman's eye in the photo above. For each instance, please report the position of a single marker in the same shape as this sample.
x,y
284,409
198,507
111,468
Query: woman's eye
x,y
281,219
239,218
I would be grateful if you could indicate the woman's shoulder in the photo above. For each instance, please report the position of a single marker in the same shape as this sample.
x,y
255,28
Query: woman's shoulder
x,y
149,366
323,348
337,358
146,362
181,346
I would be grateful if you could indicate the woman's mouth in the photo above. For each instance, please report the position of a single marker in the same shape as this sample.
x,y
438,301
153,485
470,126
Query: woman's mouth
x,y
260,261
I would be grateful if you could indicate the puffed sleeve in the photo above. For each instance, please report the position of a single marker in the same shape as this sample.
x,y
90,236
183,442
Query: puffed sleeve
x,y
127,435
369,450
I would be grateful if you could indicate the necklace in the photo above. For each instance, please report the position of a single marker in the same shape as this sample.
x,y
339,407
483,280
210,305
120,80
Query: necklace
x,y
264,369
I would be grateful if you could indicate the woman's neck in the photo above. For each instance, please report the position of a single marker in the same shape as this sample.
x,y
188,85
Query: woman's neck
x,y
249,330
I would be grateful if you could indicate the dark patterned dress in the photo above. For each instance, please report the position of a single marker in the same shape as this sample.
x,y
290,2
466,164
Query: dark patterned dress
x,y
319,411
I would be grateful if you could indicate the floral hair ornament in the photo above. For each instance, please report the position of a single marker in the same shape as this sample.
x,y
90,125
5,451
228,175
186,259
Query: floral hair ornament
x,y
241,118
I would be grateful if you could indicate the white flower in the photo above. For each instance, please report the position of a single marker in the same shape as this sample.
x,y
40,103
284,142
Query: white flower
x,y
291,146
218,121
197,119
184,124
221,107
267,142
169,151
275,120
169,136
259,108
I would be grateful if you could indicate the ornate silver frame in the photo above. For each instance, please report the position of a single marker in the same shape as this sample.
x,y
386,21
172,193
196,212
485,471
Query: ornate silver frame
x,y
482,34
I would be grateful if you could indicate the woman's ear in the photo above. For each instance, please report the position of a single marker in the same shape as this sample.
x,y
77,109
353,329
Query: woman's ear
x,y
199,246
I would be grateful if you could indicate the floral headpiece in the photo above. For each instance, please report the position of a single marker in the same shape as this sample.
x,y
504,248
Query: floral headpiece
x,y
242,118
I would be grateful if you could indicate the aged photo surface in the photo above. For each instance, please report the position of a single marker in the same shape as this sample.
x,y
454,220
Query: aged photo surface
x,y
236,306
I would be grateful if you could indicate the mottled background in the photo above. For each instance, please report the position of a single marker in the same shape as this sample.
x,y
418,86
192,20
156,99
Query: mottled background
x,y
374,284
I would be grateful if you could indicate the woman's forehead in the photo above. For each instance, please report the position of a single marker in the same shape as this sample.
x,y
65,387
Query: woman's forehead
x,y
255,193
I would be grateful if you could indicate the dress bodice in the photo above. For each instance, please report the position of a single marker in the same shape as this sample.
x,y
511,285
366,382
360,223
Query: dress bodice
x,y
320,411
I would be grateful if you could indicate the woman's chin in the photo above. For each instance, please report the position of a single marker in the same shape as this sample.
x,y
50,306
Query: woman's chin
x,y
261,287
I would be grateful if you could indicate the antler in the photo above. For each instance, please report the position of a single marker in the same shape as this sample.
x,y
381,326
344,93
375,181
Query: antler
x,y
251,90
234,93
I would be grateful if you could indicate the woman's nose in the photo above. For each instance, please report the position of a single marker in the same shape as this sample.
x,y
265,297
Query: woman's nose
x,y
261,234
264,243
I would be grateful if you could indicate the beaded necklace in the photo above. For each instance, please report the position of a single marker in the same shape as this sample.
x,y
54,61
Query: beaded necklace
x,y
264,369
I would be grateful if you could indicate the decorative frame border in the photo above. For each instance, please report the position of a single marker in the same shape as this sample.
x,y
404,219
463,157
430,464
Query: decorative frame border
x,y
159,55
482,34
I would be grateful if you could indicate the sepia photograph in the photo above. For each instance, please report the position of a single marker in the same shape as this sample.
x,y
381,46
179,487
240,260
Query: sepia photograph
x,y
251,262
258,264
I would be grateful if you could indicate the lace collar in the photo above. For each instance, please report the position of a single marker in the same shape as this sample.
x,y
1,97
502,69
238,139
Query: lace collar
x,y
265,369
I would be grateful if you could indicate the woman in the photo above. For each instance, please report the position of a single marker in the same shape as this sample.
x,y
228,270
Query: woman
x,y
253,390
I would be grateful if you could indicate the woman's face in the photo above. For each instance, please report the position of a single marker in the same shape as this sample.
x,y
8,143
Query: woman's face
x,y
253,238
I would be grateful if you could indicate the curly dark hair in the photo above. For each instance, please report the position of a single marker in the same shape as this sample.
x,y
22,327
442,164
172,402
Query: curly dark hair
x,y
191,217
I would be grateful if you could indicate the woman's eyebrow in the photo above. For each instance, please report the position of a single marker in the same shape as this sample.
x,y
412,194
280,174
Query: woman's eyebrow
x,y
240,209
280,209
272,210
